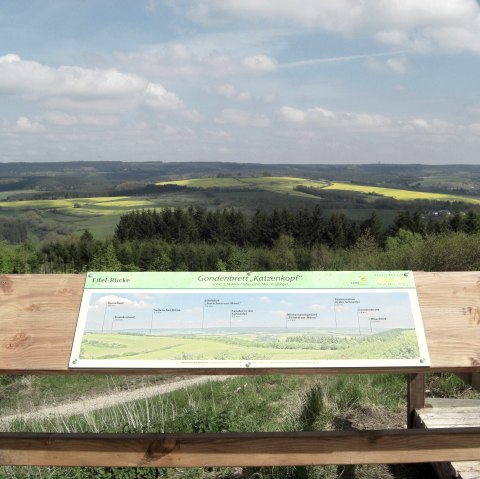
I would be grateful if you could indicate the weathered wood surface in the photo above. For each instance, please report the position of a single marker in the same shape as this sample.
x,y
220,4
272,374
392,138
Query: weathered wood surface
x,y
38,315
451,417
451,402
452,414
239,449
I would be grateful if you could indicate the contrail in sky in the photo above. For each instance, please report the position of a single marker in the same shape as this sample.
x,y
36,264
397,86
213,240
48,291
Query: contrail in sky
x,y
316,61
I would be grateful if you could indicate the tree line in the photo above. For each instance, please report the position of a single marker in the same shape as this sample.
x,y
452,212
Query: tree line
x,y
197,240
307,227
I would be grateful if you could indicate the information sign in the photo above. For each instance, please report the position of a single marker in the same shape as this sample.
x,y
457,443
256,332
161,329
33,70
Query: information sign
x,y
250,320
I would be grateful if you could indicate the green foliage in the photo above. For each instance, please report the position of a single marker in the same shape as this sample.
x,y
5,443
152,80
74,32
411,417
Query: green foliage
x,y
441,385
197,240
254,403
105,259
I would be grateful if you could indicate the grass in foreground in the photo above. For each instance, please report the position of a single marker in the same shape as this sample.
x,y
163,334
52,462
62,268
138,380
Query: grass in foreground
x,y
26,393
263,403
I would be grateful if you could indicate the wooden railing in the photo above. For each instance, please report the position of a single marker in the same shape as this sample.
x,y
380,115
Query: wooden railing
x,y
38,315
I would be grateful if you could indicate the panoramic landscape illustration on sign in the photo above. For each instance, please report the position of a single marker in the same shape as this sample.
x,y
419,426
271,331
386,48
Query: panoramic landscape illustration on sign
x,y
251,327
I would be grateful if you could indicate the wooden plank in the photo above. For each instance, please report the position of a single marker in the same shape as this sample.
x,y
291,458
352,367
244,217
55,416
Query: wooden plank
x,y
452,412
450,417
38,316
451,402
460,422
454,417
450,305
239,449
466,469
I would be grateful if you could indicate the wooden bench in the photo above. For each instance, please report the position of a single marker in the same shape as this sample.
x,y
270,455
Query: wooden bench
x,y
38,316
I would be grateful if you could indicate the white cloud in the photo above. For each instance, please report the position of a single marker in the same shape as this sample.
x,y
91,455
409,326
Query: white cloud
x,y
423,25
73,84
321,117
292,114
60,118
229,91
10,58
339,15
475,128
21,76
219,134
196,309
24,124
260,63
113,300
420,123
166,60
156,97
243,118
433,126
366,120
369,122
152,5
397,65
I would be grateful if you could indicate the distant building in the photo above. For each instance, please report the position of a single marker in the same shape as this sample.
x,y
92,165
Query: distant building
x,y
442,213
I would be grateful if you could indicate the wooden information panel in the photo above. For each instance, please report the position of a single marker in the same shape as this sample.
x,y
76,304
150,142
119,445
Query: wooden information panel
x,y
38,317
283,319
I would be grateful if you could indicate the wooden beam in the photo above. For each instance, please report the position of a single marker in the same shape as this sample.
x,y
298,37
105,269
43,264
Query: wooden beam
x,y
415,395
240,449
38,315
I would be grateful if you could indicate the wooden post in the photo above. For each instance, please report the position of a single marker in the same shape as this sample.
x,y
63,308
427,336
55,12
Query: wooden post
x,y
471,378
416,396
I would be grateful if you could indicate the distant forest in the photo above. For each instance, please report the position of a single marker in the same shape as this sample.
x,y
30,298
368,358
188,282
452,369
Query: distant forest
x,y
306,227
195,239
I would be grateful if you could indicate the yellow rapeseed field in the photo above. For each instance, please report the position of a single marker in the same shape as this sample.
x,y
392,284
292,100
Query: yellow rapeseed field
x,y
401,195
277,184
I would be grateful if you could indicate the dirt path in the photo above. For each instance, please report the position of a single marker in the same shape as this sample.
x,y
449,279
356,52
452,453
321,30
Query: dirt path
x,y
85,405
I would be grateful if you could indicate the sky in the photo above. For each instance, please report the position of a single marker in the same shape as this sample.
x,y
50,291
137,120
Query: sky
x,y
250,309
257,81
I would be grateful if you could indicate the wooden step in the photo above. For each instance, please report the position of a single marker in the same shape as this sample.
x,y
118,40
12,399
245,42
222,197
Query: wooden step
x,y
451,413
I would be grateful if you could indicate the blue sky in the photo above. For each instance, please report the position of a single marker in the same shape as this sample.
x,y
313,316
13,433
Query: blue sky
x,y
217,309
315,81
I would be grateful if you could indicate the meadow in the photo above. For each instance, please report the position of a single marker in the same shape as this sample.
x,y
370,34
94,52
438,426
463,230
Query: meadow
x,y
249,403
241,346
287,185
274,184
101,214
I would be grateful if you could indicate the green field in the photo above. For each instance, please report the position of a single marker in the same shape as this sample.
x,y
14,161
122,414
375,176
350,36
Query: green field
x,y
286,185
389,345
275,184
91,205
101,214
